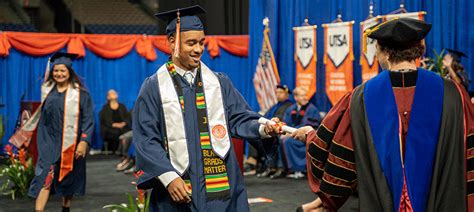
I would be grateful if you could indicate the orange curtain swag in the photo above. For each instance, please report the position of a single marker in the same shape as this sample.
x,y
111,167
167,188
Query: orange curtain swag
x,y
110,46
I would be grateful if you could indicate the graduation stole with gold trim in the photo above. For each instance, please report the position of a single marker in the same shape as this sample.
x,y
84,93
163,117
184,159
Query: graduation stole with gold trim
x,y
214,168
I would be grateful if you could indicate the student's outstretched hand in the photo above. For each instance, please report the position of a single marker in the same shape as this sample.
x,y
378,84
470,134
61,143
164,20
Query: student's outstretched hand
x,y
275,129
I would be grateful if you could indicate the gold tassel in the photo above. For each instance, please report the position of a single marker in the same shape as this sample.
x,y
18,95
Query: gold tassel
x,y
364,42
369,31
178,39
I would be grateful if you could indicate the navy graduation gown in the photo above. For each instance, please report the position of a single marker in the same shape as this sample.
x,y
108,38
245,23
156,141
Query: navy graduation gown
x,y
49,138
152,159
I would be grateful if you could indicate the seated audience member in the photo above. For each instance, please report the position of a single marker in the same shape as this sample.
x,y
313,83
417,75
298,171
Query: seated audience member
x,y
114,122
293,152
257,156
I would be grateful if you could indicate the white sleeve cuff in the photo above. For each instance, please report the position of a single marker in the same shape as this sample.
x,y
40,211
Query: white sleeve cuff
x,y
167,177
262,132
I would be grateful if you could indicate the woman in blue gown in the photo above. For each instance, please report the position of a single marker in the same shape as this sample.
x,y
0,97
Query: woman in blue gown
x,y
61,169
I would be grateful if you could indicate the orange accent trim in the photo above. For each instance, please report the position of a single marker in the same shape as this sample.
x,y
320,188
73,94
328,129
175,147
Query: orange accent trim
x,y
177,42
351,43
67,156
212,46
421,16
325,58
109,46
144,48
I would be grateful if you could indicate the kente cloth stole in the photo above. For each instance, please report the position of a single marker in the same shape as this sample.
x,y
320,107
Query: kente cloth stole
x,y
215,170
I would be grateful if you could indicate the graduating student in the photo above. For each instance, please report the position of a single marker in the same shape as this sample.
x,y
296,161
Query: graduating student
x,y
403,140
65,127
456,72
183,121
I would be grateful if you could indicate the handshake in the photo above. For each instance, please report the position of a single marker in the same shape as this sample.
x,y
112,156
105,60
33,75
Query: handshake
x,y
276,127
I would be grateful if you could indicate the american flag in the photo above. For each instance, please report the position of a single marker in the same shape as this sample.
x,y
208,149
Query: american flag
x,y
266,76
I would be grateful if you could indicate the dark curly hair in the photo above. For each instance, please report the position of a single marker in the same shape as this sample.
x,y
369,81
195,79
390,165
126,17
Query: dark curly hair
x,y
397,54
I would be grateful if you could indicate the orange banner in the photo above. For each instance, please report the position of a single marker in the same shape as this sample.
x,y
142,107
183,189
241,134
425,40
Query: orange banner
x,y
305,58
368,61
338,57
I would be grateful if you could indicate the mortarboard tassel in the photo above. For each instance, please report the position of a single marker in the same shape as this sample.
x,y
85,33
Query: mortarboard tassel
x,y
364,42
369,31
177,40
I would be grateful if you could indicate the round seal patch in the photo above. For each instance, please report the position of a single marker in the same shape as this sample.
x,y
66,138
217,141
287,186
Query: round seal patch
x,y
219,131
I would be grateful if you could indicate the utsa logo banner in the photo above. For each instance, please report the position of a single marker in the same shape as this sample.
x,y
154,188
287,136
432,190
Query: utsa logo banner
x,y
368,62
305,58
338,57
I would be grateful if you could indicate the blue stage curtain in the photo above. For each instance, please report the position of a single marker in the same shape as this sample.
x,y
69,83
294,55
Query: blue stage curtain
x,y
452,21
21,76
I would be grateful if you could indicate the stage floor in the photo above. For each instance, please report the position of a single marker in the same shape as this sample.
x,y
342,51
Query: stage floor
x,y
106,186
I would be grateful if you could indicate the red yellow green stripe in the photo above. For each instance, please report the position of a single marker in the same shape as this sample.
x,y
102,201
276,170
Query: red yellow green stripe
x,y
200,102
205,140
171,68
217,180
181,101
218,189
188,185
216,183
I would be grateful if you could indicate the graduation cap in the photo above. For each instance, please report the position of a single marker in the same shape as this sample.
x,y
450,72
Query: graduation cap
x,y
182,20
457,55
62,58
399,33
58,58
285,88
